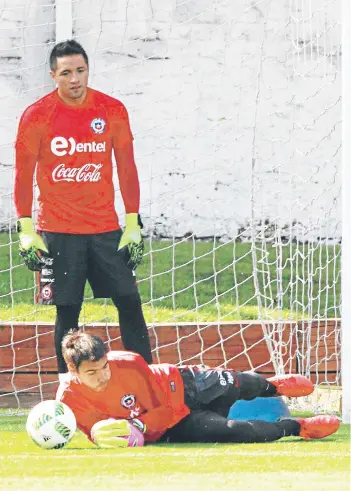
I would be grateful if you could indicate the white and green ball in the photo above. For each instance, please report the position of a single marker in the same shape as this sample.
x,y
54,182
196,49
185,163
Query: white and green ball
x,y
51,424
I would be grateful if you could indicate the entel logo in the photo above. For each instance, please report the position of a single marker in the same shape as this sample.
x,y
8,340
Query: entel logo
x,y
60,146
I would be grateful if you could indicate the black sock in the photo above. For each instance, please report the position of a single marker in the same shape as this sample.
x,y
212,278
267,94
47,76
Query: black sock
x,y
132,324
290,426
66,319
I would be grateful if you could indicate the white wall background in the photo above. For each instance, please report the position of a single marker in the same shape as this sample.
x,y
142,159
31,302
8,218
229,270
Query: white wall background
x,y
235,106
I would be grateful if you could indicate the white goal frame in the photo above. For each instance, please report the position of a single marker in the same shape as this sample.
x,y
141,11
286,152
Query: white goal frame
x,y
346,214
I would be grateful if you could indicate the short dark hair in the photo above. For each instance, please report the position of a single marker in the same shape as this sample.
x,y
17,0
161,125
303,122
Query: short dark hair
x,y
66,48
78,346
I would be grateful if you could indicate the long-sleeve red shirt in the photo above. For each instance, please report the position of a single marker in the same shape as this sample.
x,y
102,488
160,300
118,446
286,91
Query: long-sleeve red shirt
x,y
70,147
153,394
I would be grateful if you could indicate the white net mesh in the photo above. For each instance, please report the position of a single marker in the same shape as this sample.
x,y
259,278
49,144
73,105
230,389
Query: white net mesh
x,y
235,110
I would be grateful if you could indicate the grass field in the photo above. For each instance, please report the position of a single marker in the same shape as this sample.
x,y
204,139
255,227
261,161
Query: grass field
x,y
200,281
187,281
289,464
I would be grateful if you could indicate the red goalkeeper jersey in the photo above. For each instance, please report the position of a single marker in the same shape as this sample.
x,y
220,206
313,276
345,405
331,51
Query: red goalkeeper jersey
x,y
153,394
71,149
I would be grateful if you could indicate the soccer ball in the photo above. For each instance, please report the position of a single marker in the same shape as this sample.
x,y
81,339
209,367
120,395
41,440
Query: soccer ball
x,y
51,424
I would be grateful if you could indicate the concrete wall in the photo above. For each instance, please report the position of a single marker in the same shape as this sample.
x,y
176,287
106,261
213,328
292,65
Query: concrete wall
x,y
235,107
26,35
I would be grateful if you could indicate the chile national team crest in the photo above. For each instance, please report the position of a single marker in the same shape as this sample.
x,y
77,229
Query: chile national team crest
x,y
128,401
98,125
46,293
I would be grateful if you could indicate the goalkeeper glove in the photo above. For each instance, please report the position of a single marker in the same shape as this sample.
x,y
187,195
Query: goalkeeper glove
x,y
31,245
132,243
117,433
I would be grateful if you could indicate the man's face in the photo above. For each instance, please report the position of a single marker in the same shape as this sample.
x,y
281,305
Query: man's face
x,y
94,374
71,77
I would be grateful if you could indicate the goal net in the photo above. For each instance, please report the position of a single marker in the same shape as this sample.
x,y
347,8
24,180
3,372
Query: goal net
x,y
235,109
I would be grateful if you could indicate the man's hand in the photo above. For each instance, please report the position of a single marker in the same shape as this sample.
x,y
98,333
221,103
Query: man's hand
x,y
116,433
31,245
132,240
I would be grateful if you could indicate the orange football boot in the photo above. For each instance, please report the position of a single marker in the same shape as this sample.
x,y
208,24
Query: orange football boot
x,y
318,426
292,385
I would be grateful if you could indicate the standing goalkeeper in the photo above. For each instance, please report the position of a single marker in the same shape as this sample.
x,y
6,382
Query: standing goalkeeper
x,y
120,401
68,137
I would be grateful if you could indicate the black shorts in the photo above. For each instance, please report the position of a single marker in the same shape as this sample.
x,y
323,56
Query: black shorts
x,y
211,389
77,258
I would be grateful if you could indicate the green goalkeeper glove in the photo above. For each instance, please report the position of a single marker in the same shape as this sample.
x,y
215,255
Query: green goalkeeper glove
x,y
31,245
117,433
132,240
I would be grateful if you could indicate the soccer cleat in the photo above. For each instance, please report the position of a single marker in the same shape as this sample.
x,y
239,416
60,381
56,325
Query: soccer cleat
x,y
318,426
292,385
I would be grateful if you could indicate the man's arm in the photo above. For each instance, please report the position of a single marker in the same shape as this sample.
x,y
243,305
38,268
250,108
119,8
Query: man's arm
x,y
23,188
128,177
122,141
27,151
131,241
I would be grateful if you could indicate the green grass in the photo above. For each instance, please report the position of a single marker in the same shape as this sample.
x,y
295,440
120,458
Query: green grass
x,y
186,281
289,464
194,280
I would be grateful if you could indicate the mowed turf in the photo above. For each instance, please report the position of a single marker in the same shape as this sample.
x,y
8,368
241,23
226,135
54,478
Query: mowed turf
x,y
289,464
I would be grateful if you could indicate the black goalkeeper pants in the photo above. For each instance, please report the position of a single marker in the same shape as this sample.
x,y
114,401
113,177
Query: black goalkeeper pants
x,y
209,427
209,393
132,324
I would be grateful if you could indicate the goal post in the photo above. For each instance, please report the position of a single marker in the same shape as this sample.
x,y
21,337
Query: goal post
x,y
235,109
346,214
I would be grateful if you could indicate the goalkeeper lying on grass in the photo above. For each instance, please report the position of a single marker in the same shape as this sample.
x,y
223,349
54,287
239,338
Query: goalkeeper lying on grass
x,y
120,401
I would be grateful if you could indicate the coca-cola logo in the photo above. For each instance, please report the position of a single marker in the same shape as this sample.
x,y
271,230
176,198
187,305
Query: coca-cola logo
x,y
87,173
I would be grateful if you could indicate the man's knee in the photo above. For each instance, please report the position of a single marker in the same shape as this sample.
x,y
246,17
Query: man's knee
x,y
242,431
251,385
130,302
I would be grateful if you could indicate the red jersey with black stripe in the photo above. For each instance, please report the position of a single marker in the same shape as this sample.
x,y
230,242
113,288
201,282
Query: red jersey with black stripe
x,y
153,394
71,149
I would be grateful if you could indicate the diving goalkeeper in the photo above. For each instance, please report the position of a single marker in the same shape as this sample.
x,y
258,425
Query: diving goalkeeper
x,y
68,137
120,401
